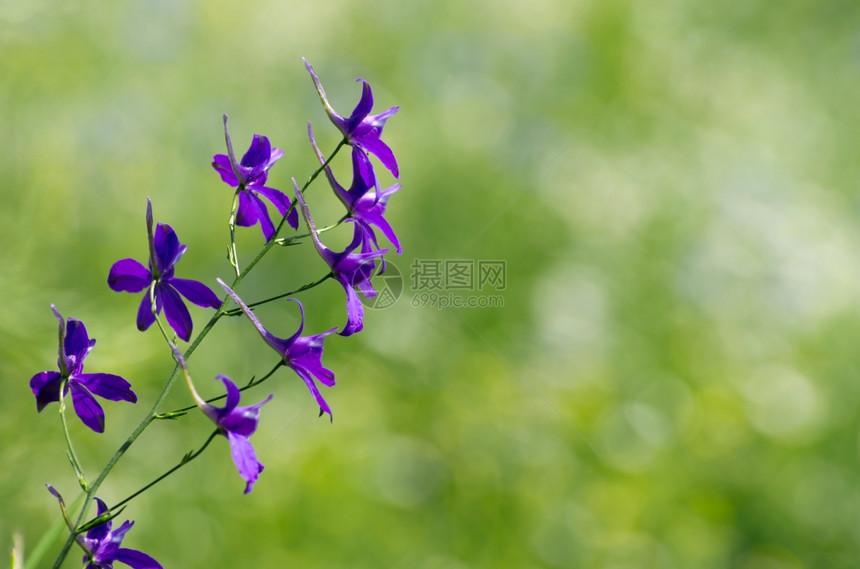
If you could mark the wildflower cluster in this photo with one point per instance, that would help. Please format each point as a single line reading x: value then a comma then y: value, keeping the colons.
x: 255, y: 202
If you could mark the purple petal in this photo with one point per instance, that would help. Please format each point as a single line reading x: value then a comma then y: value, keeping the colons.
x: 378, y: 121
x: 307, y: 354
x: 265, y: 221
x: 168, y: 249
x: 233, y: 395
x: 77, y: 344
x: 129, y: 275
x: 46, y: 387
x: 362, y: 109
x: 145, y: 317
x: 196, y: 292
x: 375, y: 145
x: 175, y: 310
x: 245, y: 459
x: 87, y: 408
x: 99, y: 532
x: 278, y: 198
x: 354, y: 311
x: 260, y: 155
x: 107, y: 385
x: 243, y: 420
x: 221, y: 163
x: 248, y: 213
x: 324, y: 408
x: 293, y: 218
x: 135, y: 559
x: 382, y: 223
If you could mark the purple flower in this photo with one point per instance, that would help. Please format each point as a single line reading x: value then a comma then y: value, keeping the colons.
x: 165, y: 250
x: 237, y: 424
x: 75, y: 344
x: 103, y: 545
x: 351, y: 269
x: 250, y: 176
x: 303, y: 354
x: 364, y: 201
x: 361, y: 128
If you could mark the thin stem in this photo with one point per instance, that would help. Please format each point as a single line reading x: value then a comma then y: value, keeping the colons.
x: 153, y: 413
x: 185, y: 460
x: 73, y: 457
x: 252, y: 383
x: 233, y: 255
x: 287, y: 241
x: 238, y: 311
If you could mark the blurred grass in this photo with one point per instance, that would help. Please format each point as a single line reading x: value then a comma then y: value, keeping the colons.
x: 672, y: 381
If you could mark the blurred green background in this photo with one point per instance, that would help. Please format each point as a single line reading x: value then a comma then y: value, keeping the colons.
x: 672, y: 380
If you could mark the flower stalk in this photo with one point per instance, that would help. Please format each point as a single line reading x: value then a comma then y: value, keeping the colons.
x: 164, y: 292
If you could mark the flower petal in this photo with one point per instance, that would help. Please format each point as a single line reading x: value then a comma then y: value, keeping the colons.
x: 129, y: 275
x: 107, y: 385
x: 145, y: 317
x: 233, y: 396
x: 248, y: 213
x: 382, y: 223
x: 175, y: 310
x: 278, y: 198
x: 354, y: 311
x: 46, y: 387
x: 243, y: 420
x: 221, y: 163
x: 87, y: 408
x: 374, y: 145
x: 259, y: 156
x: 77, y: 344
x: 135, y: 559
x: 324, y: 408
x: 265, y: 221
x: 362, y: 109
x: 168, y: 249
x: 196, y: 292
x: 245, y: 459
x: 100, y: 531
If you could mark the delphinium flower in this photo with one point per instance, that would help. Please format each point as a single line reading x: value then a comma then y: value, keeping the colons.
x: 237, y: 424
x: 103, y: 545
x: 364, y: 201
x: 361, y: 128
x: 303, y: 354
x: 165, y: 250
x: 250, y: 176
x: 75, y: 344
x: 350, y: 268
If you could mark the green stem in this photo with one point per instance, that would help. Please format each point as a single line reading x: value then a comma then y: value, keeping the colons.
x: 185, y: 460
x: 252, y: 383
x: 233, y: 256
x: 238, y: 311
x: 73, y: 457
x: 153, y: 413
x: 287, y: 241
